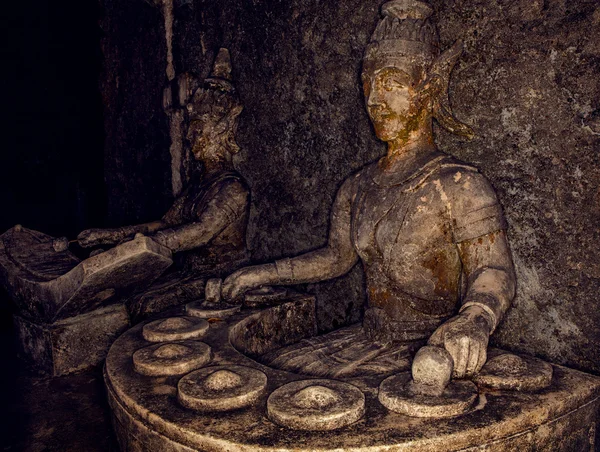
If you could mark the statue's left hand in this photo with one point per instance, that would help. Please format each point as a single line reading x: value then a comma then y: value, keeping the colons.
x: 465, y: 337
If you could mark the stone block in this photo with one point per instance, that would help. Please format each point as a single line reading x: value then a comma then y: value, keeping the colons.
x: 72, y: 344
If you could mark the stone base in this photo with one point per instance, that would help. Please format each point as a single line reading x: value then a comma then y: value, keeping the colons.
x: 73, y: 344
x: 148, y: 417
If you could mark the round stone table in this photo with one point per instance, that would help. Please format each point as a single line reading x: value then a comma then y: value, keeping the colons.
x: 148, y: 417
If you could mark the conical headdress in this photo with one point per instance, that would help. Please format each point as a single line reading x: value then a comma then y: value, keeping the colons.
x: 406, y: 36
x: 220, y: 77
x: 405, y: 31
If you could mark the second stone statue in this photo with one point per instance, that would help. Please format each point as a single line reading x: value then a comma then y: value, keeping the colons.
x: 206, y: 226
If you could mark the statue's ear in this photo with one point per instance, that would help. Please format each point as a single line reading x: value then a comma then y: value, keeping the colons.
x: 236, y: 110
x: 437, y: 82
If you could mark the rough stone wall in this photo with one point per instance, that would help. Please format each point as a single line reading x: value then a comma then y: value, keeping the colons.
x: 527, y: 84
x: 137, y: 160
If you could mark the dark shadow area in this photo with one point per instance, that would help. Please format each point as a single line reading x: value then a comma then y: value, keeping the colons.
x: 51, y: 162
x: 52, y: 180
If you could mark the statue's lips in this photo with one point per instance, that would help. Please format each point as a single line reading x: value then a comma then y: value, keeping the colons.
x: 381, y: 117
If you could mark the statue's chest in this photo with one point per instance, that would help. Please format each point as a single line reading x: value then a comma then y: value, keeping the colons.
x: 395, y: 223
x: 377, y: 218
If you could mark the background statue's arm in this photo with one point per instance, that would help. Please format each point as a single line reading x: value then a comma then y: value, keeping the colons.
x: 113, y: 236
x: 94, y: 237
x: 333, y: 260
x: 227, y: 205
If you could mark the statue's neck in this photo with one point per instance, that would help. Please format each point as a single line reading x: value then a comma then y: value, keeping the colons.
x: 213, y: 167
x: 412, y: 147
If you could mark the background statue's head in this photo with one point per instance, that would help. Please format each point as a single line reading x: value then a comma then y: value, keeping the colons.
x: 213, y: 114
x: 405, y: 77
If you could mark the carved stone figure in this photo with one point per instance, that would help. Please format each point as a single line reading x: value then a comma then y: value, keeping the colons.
x: 61, y: 299
x: 206, y: 226
x: 427, y: 228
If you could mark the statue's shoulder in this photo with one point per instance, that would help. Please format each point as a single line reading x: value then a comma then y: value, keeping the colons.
x: 449, y: 165
x: 456, y: 175
x: 355, y: 179
x: 470, y: 194
x: 228, y: 180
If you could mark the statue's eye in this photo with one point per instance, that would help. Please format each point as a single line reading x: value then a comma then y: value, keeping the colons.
x: 390, y: 84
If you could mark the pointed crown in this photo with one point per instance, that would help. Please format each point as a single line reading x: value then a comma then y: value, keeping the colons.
x: 404, y: 30
x: 220, y: 77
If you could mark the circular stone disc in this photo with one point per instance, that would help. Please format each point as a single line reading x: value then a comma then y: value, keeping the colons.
x: 175, y: 329
x: 173, y: 358
x: 316, y: 405
x: 203, y: 310
x: 221, y: 388
x: 396, y: 394
x: 515, y: 373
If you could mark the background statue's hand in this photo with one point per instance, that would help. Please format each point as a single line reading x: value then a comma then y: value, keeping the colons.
x: 243, y: 280
x: 465, y: 337
x: 93, y: 237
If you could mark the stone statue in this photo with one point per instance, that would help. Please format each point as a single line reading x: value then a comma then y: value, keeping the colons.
x: 427, y: 228
x: 206, y: 226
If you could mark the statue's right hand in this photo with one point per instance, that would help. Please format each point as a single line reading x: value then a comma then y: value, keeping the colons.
x: 241, y: 281
x: 93, y: 237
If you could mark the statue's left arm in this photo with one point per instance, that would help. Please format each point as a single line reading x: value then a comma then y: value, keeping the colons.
x: 228, y: 203
x: 479, y: 232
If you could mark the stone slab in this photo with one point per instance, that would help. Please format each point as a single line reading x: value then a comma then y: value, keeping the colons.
x: 148, y: 417
x: 48, y: 283
x: 73, y: 344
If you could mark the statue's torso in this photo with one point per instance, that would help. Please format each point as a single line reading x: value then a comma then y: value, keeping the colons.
x: 228, y: 248
x: 403, y: 231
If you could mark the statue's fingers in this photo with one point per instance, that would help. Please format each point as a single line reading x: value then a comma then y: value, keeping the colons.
x: 437, y: 338
x: 482, y: 357
x: 87, y: 242
x: 227, y: 288
x: 460, y: 356
x: 473, y: 359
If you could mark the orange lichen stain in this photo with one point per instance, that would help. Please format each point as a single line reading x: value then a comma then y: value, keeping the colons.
x: 443, y: 276
x: 379, y: 297
x: 214, y: 320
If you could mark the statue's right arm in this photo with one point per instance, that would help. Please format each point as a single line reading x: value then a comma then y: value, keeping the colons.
x: 113, y: 236
x: 331, y: 261
x: 94, y: 237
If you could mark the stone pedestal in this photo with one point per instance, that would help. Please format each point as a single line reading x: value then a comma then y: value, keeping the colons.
x: 148, y: 417
x: 72, y: 344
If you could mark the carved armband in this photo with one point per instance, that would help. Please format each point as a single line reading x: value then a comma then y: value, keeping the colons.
x: 485, y: 302
x: 284, y: 270
x: 229, y: 211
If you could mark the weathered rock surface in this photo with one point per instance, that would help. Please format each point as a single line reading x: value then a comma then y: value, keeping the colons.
x: 73, y: 344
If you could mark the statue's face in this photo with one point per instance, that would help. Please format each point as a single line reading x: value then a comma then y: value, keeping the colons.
x: 199, y: 136
x: 204, y: 131
x: 393, y: 104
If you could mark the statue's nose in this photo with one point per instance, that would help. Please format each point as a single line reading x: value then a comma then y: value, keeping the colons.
x: 373, y: 99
